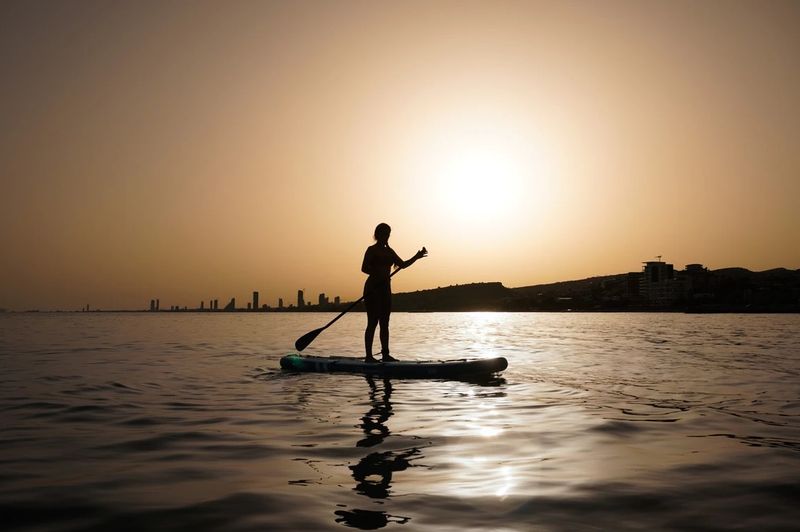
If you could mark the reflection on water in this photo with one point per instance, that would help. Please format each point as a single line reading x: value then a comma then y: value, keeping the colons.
x: 367, y: 519
x: 373, y: 423
x: 602, y: 421
x: 373, y: 473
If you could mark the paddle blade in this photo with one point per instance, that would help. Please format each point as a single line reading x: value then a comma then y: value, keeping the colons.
x: 307, y: 338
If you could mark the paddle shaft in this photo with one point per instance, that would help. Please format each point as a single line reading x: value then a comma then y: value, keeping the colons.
x: 306, y: 339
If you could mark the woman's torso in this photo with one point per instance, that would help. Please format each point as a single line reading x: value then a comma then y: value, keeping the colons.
x: 378, y: 261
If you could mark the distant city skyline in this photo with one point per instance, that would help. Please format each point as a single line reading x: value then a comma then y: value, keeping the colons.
x: 658, y: 281
x: 182, y: 150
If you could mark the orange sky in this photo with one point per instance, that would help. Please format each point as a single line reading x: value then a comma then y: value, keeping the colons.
x: 197, y: 150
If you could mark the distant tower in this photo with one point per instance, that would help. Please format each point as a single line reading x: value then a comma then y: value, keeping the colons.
x: 337, y: 300
x: 202, y: 305
x: 152, y: 305
x: 249, y: 306
x: 158, y: 304
x: 255, y: 300
x: 280, y: 302
x: 300, y: 302
x: 322, y: 299
x: 231, y: 305
x: 216, y: 304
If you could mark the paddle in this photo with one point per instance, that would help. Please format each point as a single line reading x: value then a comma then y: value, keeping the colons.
x: 309, y: 337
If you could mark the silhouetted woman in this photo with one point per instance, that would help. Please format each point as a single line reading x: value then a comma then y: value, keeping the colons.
x: 378, y: 261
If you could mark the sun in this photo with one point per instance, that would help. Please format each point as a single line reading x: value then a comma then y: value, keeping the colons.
x: 479, y: 182
x: 483, y: 175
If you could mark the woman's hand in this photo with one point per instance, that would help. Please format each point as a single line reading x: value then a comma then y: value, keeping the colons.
x: 421, y: 253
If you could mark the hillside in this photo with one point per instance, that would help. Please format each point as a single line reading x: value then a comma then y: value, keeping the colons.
x: 722, y: 290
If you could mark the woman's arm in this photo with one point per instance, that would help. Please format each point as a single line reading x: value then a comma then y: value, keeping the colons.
x: 405, y: 264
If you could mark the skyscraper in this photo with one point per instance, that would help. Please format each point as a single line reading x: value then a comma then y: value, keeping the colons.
x: 300, y: 302
x: 255, y: 300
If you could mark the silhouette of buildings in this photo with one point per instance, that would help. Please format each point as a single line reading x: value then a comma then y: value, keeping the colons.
x: 697, y: 282
x: 658, y: 284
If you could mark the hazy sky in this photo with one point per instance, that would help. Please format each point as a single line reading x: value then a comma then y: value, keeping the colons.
x: 196, y: 150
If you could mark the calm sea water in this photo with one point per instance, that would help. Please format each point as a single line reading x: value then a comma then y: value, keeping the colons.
x: 601, y: 422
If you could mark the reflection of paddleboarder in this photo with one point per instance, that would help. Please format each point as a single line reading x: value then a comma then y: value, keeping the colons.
x: 378, y: 261
x: 373, y: 473
x: 373, y: 423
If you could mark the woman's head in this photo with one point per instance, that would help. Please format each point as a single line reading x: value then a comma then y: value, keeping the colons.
x: 382, y: 232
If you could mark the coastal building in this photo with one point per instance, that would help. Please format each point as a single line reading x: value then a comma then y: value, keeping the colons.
x: 231, y: 305
x: 300, y: 302
x: 632, y: 286
x: 255, y: 300
x: 337, y: 300
x: 697, y: 282
x: 658, y: 284
x: 280, y: 302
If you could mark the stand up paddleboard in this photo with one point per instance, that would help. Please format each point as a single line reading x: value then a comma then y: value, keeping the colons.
x: 446, y: 369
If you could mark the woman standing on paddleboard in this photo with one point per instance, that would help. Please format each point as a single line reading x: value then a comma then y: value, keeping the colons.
x: 378, y: 261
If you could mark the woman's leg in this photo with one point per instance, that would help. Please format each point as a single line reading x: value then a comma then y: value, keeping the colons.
x: 369, y: 334
x: 384, y: 322
x: 385, y: 312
